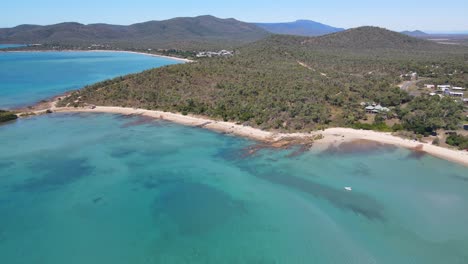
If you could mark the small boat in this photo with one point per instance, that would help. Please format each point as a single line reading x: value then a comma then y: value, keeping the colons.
x: 348, y: 189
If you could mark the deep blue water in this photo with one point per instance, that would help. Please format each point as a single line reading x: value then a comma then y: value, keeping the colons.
x: 99, y: 188
x: 28, y: 77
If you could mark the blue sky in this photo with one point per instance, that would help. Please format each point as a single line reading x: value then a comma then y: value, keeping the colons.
x: 427, y: 15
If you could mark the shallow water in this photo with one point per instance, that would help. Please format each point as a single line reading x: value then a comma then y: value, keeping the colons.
x: 5, y: 46
x: 98, y: 188
x: 28, y: 77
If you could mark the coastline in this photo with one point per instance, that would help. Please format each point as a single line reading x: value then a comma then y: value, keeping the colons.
x: 142, y: 53
x: 320, y: 139
x: 119, y: 51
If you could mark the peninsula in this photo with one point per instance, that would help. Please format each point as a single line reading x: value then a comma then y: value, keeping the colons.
x: 363, y: 78
x: 291, y: 84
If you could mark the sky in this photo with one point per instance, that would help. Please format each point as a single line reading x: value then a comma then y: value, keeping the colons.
x: 429, y: 15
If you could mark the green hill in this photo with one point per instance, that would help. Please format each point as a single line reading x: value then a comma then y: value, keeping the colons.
x: 369, y: 38
x: 289, y: 82
x: 183, y: 33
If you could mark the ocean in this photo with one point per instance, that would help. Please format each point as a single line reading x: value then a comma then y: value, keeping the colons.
x: 28, y: 77
x: 102, y: 188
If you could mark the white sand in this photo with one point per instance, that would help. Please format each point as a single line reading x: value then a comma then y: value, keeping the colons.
x: 336, y: 135
x: 142, y: 53
x: 331, y: 136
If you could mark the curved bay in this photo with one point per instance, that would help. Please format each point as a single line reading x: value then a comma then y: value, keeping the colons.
x: 98, y: 188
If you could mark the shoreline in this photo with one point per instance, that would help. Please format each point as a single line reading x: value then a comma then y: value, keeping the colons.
x: 321, y: 139
x: 119, y: 51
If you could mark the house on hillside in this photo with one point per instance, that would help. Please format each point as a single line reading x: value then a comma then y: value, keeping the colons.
x: 456, y: 94
x: 429, y: 86
x: 369, y: 109
x: 412, y: 76
x: 445, y: 90
x: 444, y: 86
x: 209, y: 54
x: 376, y: 109
x: 226, y: 53
x: 458, y: 88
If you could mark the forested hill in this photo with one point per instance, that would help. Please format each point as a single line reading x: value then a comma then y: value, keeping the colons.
x: 183, y: 33
x: 297, y: 83
x: 370, y: 38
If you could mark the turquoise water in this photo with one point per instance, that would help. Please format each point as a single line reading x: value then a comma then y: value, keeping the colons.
x: 98, y: 188
x: 28, y: 77
x: 4, y: 46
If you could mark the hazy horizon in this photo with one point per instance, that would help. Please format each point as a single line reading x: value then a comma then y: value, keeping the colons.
x: 431, y: 16
x: 454, y: 32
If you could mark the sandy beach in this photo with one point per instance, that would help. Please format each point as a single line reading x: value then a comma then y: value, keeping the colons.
x: 141, y: 53
x: 328, y: 137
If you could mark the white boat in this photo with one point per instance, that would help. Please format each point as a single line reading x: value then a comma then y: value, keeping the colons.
x: 348, y: 189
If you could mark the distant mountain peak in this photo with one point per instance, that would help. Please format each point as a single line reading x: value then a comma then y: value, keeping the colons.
x: 301, y: 27
x: 307, y: 21
x: 415, y: 33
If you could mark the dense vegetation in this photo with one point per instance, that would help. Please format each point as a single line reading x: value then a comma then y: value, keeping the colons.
x: 458, y: 141
x: 7, y: 116
x: 204, y: 32
x: 426, y: 114
x: 298, y: 83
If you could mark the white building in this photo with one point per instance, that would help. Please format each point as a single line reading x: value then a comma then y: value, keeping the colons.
x: 430, y: 86
x: 376, y: 109
x: 458, y: 88
x: 447, y: 86
x: 455, y: 94
x: 222, y: 53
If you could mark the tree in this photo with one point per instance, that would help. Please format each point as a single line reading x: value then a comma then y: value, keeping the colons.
x: 428, y: 113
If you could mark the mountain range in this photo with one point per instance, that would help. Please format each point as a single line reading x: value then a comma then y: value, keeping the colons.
x: 185, y: 32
